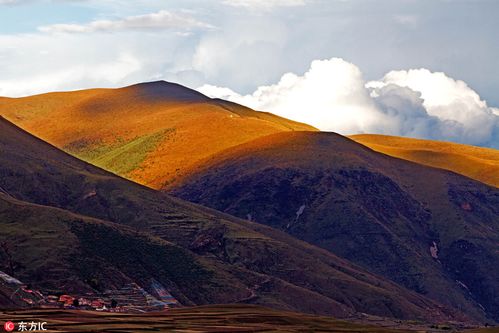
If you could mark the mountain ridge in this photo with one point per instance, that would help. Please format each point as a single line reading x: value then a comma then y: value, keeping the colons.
x: 479, y: 163
x: 150, y: 133
x: 408, y: 221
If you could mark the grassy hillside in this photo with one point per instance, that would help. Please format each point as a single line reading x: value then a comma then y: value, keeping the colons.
x: 478, y: 163
x: 151, y: 133
x: 62, y: 251
x: 107, y: 226
x: 430, y: 230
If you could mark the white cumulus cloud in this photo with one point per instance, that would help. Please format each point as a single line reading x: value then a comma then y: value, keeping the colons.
x: 467, y: 117
x: 333, y: 96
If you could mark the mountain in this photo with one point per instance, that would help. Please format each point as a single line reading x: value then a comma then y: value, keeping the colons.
x: 478, y: 163
x: 63, y: 252
x: 75, y: 227
x: 433, y: 231
x: 151, y: 133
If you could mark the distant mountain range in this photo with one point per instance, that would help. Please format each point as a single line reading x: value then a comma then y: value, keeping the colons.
x: 154, y: 133
x: 318, y: 222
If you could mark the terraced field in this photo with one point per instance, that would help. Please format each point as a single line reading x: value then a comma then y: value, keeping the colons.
x: 218, y: 318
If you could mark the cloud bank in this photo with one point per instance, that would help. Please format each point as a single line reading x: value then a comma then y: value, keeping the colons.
x: 46, y: 62
x: 263, y: 4
x: 333, y: 96
x: 154, y: 21
x: 10, y: 2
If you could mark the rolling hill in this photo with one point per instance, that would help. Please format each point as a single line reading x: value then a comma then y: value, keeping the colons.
x: 433, y: 231
x: 78, y: 228
x: 478, y: 163
x: 151, y: 133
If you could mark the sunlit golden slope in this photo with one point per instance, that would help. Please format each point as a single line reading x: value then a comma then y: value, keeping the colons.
x: 151, y: 133
x: 479, y: 163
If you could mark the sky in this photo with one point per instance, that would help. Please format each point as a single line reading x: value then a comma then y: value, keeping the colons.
x: 419, y: 68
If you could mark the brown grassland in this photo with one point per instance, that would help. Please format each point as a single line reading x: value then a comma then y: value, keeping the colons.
x: 478, y: 163
x: 218, y: 318
x: 150, y: 133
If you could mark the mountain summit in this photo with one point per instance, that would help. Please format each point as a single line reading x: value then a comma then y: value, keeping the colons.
x: 151, y: 133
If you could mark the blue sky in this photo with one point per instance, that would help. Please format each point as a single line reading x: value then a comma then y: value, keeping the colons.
x: 242, y: 45
x: 26, y: 18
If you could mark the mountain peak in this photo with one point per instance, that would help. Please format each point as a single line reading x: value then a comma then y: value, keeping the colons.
x: 163, y: 90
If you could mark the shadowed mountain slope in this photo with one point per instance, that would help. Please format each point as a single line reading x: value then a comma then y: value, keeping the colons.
x: 478, y: 163
x: 77, y: 223
x: 60, y: 251
x: 431, y: 230
x: 150, y: 133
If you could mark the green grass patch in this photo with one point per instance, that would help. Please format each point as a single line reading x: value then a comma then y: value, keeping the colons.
x: 123, y: 156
